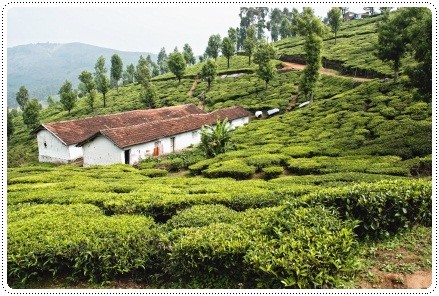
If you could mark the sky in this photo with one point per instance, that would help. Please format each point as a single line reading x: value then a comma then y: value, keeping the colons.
x: 140, y: 29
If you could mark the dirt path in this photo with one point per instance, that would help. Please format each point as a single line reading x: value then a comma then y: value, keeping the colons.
x: 293, y: 66
x: 191, y: 91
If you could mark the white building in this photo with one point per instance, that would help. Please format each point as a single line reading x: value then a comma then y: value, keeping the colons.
x: 130, y: 136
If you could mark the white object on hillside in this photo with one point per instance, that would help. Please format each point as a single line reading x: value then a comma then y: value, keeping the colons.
x: 304, y: 104
x: 273, y: 111
x: 258, y: 114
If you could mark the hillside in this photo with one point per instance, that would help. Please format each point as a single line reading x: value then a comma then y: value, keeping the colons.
x: 43, y: 67
x: 333, y: 194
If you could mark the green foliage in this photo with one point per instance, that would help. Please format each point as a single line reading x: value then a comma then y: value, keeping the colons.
x: 31, y: 113
x: 208, y: 72
x: 382, y: 208
x: 149, y: 96
x: 100, y: 77
x: 188, y: 54
x: 304, y: 248
x: 272, y: 172
x: 22, y: 97
x: 10, y: 124
x: 250, y: 42
x: 264, y: 160
x: 212, y: 255
x: 236, y: 169
x: 153, y: 173
x: 216, y: 139
x: 201, y: 215
x: 67, y: 96
x: 228, y: 49
x: 335, y: 19
x: 177, y: 65
x: 116, y: 69
x: 80, y: 241
x: 213, y: 46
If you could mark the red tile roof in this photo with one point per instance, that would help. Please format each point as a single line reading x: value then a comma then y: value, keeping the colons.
x: 142, y: 133
x: 75, y: 131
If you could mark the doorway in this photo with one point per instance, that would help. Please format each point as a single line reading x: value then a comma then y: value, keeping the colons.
x: 127, y: 156
x: 173, y: 144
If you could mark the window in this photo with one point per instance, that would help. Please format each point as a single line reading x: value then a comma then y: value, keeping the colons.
x: 45, y: 144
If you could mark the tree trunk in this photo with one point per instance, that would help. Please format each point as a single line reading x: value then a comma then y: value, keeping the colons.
x: 228, y: 63
x: 266, y: 84
x: 104, y: 99
x: 395, y: 74
x: 335, y: 34
x: 249, y: 62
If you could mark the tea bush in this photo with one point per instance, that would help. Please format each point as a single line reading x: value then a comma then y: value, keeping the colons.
x: 154, y: 173
x: 208, y: 257
x: 272, y: 172
x: 201, y: 215
x: 303, y: 248
x: 301, y: 151
x: 79, y: 241
x: 236, y: 169
x: 263, y: 160
x: 382, y: 208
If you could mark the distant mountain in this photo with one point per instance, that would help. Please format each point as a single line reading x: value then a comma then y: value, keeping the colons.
x: 43, y: 67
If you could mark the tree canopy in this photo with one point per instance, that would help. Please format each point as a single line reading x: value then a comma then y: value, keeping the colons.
x: 22, y: 97
x: 227, y: 49
x: 116, y: 70
x: 177, y: 65
x: 101, y: 79
x: 67, y: 96
x: 335, y: 20
x: 188, y: 55
x: 209, y: 71
x: 213, y: 46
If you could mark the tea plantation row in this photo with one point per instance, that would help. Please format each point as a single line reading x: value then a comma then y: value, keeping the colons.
x: 114, y: 221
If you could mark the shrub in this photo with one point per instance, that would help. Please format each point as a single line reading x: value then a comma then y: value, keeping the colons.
x: 272, y: 172
x: 382, y: 208
x: 78, y: 240
x: 154, y: 172
x: 303, y: 248
x: 198, y: 167
x: 201, y: 215
x: 208, y: 257
x: 300, y: 151
x: 236, y: 169
x: 263, y: 160
x: 304, y: 166
x: 388, y: 112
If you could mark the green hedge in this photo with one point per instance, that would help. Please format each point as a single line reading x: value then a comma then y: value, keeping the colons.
x: 303, y: 248
x: 79, y: 241
x: 382, y: 208
x: 236, y: 169
x: 201, y: 215
x: 154, y: 173
x: 272, y: 172
x: 208, y: 257
x: 264, y: 160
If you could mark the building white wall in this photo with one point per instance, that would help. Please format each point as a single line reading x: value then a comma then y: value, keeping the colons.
x: 51, y: 149
x: 102, y: 151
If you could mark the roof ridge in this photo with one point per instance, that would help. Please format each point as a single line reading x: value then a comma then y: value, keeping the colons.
x: 119, y: 113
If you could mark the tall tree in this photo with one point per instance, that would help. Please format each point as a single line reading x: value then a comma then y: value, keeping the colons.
x: 250, y: 42
x: 128, y: 74
x: 143, y: 74
x: 149, y: 96
x: 227, y: 49
x: 10, y: 125
x: 162, y: 61
x: 101, y: 79
x: 116, y: 70
x: 208, y: 72
x: 274, y: 32
x: 335, y: 19
x: 31, y: 113
x: 263, y: 55
x: 89, y: 86
x: 285, y: 28
x: 312, y: 28
x: 22, y: 97
x: 420, y: 36
x: 177, y: 65
x: 67, y: 96
x: 233, y: 36
x: 213, y: 46
x: 188, y: 54
x: 393, y: 39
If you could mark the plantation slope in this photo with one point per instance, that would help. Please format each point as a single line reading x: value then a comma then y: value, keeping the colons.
x: 377, y: 127
x: 353, y: 54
